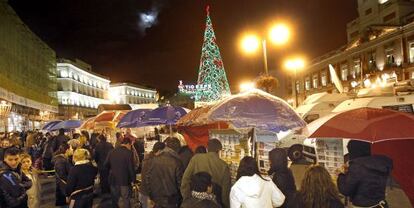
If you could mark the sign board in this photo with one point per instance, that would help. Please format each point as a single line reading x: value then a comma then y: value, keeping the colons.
x: 330, y: 154
x: 403, y: 108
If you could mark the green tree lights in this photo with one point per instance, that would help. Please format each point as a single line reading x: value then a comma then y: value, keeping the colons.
x: 211, y: 71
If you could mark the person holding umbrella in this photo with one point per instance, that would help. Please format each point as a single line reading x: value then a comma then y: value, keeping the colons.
x: 365, y: 179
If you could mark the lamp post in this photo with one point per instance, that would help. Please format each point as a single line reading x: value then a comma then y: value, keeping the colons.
x: 295, y: 64
x: 278, y: 34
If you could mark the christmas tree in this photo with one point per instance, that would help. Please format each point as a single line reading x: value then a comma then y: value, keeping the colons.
x: 212, y: 78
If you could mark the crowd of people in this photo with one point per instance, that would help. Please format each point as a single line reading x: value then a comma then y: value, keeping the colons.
x: 173, y: 175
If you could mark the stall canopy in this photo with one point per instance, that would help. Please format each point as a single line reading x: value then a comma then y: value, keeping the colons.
x: 133, y: 119
x: 68, y: 124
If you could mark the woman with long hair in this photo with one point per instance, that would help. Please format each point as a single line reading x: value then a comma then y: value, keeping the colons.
x: 252, y: 189
x: 317, y: 191
x: 34, y: 191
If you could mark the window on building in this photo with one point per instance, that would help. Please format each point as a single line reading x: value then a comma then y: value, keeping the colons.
x: 371, y: 60
x: 297, y: 86
x: 368, y: 11
x: 307, y: 83
x: 324, y: 78
x: 315, y: 81
x: 389, y: 54
x: 411, y: 49
x: 389, y: 17
x: 344, y: 72
x: 357, y: 67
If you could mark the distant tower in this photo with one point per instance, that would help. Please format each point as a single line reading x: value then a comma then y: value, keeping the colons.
x: 212, y: 80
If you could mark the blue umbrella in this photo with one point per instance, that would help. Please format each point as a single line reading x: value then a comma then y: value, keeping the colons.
x: 167, y: 115
x: 257, y: 109
x: 133, y: 119
x: 69, y: 124
x: 50, y: 124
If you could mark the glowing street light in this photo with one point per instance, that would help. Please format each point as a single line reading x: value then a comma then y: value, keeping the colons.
x: 278, y: 34
x: 246, y: 86
x: 250, y: 43
x: 295, y: 64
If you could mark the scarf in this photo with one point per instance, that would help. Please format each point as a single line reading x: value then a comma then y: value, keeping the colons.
x: 203, y: 195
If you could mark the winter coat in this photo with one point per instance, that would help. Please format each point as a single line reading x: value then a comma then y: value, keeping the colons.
x: 62, y: 168
x: 34, y: 192
x: 146, y: 163
x: 102, y: 151
x: 281, y: 175
x: 120, y: 166
x: 296, y: 201
x: 81, y: 176
x: 58, y: 140
x: 185, y: 154
x: 366, y: 180
x: 216, y: 167
x: 253, y: 191
x: 13, y: 187
x: 164, y: 178
x: 48, y: 148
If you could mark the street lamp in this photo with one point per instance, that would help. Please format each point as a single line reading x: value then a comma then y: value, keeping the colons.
x: 278, y: 34
x: 295, y: 64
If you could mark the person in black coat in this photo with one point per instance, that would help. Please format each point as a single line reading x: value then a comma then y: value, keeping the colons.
x: 166, y: 167
x: 102, y: 150
x: 79, y: 189
x: 120, y: 163
x: 366, y: 177
x: 185, y: 154
x: 281, y: 174
x: 13, y: 183
x: 60, y: 139
x: 317, y: 191
x: 62, y: 168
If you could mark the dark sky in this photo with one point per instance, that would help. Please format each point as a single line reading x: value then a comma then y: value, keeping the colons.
x: 107, y: 35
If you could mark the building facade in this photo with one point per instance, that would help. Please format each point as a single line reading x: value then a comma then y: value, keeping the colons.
x: 80, y: 91
x: 27, y: 75
x: 383, y: 52
x: 128, y: 93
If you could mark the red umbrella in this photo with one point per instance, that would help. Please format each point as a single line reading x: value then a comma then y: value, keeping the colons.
x: 366, y: 124
x: 390, y: 132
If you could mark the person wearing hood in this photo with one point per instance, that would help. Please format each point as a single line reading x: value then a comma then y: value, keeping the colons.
x: 281, y: 175
x: 81, y: 178
x: 62, y: 168
x: 252, y: 189
x: 365, y: 179
x: 164, y: 176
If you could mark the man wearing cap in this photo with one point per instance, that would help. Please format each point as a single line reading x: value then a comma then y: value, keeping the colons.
x: 216, y: 167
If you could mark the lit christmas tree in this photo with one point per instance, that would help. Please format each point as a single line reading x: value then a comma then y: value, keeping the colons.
x: 212, y: 80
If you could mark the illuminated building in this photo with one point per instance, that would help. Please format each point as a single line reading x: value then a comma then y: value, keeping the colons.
x: 382, y: 51
x: 27, y: 75
x: 80, y: 90
x: 128, y: 93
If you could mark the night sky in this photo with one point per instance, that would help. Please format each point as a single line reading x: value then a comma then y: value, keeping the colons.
x: 110, y: 34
